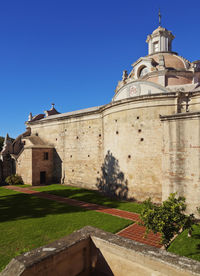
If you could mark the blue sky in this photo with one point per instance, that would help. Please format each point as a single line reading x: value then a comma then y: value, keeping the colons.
x: 73, y: 53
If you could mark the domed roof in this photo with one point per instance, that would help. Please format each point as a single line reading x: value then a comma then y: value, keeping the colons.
x: 159, y: 29
x: 172, y: 61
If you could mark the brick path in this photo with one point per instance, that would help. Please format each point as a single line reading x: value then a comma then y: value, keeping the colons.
x: 134, y: 232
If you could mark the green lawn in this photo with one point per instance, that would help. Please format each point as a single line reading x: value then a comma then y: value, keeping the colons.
x: 28, y: 222
x: 90, y: 196
x: 188, y: 247
x: 182, y: 245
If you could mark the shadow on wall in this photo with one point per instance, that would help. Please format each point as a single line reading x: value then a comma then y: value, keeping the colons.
x: 112, y: 181
x: 57, y: 168
x: 1, y: 171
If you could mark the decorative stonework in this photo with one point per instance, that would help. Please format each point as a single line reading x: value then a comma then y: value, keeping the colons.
x: 160, y: 40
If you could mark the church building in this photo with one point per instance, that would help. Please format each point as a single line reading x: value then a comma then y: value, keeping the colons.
x: 144, y: 143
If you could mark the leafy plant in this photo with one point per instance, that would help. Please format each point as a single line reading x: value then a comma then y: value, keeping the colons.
x: 168, y: 219
x: 14, y: 179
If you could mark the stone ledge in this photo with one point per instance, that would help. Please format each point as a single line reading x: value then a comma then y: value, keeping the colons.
x: 20, y: 264
x: 178, y: 116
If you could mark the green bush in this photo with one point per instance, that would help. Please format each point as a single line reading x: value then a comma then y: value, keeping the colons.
x: 167, y: 219
x: 14, y: 179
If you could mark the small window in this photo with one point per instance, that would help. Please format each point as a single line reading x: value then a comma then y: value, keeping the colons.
x: 155, y: 46
x: 46, y: 156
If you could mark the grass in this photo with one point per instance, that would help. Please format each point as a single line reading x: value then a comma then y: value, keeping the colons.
x: 188, y: 247
x: 182, y: 245
x: 90, y: 196
x: 28, y: 222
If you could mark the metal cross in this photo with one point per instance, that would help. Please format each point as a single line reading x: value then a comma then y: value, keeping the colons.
x: 159, y: 15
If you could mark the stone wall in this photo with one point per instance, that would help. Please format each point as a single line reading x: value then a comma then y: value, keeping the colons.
x: 1, y: 171
x: 91, y: 251
x: 41, y: 164
x: 78, y: 148
x: 119, y: 148
x: 24, y: 165
x: 133, y: 136
x: 31, y: 162
x: 181, y: 157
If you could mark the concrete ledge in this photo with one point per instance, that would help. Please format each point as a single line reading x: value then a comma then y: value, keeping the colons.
x: 91, y: 251
x: 178, y: 116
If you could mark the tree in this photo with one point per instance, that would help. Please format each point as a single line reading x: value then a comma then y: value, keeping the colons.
x: 167, y: 219
x: 1, y: 142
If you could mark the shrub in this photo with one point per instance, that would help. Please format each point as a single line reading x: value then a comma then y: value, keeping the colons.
x: 14, y: 179
x: 168, y: 219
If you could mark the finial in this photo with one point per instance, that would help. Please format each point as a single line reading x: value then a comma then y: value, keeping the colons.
x: 30, y: 117
x: 52, y: 105
x: 6, y: 138
x: 159, y: 15
x: 125, y: 75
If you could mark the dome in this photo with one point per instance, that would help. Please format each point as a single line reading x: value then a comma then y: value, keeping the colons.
x: 172, y: 61
x: 161, y: 66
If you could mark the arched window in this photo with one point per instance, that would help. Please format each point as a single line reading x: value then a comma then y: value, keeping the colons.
x: 143, y: 71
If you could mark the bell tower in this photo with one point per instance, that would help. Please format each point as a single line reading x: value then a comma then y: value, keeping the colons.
x: 160, y: 40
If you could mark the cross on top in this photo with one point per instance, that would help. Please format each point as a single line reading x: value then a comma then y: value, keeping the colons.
x: 159, y: 15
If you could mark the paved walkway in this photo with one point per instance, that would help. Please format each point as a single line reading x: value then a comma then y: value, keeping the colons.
x: 134, y: 232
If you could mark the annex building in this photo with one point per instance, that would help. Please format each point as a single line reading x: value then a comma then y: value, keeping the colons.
x: 144, y: 143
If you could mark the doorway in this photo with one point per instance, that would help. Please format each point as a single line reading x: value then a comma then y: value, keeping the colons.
x: 42, y: 177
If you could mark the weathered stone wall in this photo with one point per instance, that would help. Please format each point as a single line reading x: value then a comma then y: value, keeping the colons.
x: 181, y: 157
x: 91, y: 251
x: 24, y: 165
x: 1, y: 171
x: 133, y: 146
x: 194, y: 102
x: 31, y: 162
x: 118, y: 148
x: 40, y: 164
x: 78, y: 145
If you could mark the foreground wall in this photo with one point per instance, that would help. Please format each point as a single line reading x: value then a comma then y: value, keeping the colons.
x: 91, y: 251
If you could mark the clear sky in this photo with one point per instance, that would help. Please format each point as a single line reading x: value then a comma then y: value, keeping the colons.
x: 73, y: 53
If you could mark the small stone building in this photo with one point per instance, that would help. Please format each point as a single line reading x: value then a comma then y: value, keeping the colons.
x: 35, y: 161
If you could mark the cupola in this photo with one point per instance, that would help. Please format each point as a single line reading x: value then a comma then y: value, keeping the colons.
x: 160, y: 41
